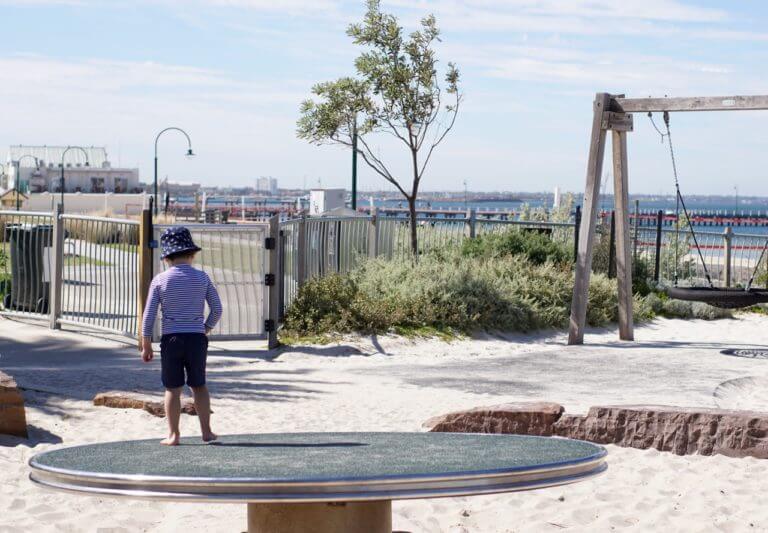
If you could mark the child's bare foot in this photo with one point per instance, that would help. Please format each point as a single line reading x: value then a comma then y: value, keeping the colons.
x: 210, y: 436
x: 172, y: 440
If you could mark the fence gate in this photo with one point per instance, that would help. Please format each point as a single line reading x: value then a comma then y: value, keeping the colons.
x: 234, y: 258
x: 99, y: 273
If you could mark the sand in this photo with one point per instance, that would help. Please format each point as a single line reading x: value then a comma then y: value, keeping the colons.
x: 390, y: 383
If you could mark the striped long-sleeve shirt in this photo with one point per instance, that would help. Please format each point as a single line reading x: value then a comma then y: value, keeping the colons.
x: 181, y: 293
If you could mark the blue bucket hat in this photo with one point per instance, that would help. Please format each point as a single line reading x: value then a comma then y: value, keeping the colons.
x: 175, y: 240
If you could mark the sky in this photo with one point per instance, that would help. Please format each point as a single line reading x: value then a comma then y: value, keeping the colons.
x: 233, y: 73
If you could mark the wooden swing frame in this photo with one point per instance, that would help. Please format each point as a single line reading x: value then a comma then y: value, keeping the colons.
x: 614, y: 113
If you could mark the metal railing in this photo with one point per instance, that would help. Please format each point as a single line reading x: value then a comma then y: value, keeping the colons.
x: 731, y: 258
x: 100, y: 261
x: 234, y: 258
x: 25, y: 263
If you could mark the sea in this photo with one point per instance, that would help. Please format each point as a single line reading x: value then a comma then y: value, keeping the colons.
x: 717, y: 204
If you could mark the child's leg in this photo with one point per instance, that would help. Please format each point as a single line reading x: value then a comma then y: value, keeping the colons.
x: 172, y: 414
x: 203, y: 408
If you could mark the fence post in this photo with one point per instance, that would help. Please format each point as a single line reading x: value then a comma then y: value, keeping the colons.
x: 471, y: 223
x: 145, y: 264
x: 576, y: 229
x: 301, y: 252
x: 612, y: 248
x: 373, y: 234
x: 657, y: 256
x: 57, y: 268
x: 273, y: 249
x: 728, y: 238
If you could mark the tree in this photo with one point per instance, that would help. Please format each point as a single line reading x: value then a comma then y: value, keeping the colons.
x: 396, y: 91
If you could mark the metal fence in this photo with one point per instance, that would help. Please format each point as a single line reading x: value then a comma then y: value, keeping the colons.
x: 234, y: 258
x: 104, y: 263
x: 100, y: 265
x: 731, y: 258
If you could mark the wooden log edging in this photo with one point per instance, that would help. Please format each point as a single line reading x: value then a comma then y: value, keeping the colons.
x: 679, y: 430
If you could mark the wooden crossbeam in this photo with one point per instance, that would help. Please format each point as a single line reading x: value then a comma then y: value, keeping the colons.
x: 696, y: 103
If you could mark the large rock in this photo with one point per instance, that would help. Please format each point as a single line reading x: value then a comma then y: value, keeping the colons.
x: 679, y: 430
x: 13, y: 419
x: 525, y: 418
x: 132, y: 400
x: 672, y: 429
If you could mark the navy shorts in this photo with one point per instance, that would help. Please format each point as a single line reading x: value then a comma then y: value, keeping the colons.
x: 183, y: 353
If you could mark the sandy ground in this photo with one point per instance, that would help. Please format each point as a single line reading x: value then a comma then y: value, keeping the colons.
x: 395, y: 384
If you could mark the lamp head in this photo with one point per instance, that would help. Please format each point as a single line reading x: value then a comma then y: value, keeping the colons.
x: 87, y: 164
x: 190, y: 154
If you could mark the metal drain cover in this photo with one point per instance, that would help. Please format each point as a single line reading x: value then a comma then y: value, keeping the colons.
x: 747, y: 352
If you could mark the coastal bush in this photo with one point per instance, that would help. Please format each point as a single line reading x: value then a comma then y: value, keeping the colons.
x: 535, y: 246
x: 446, y: 291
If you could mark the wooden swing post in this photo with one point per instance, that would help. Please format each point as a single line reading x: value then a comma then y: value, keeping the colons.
x: 613, y: 112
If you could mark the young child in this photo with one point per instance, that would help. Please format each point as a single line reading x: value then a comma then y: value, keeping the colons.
x: 181, y: 292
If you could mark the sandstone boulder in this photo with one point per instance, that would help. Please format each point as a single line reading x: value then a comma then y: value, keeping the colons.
x: 524, y: 418
x: 132, y: 400
x: 679, y: 430
x: 13, y: 419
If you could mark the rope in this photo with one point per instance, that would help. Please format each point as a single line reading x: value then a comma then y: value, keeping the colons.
x: 757, y: 267
x: 679, y: 202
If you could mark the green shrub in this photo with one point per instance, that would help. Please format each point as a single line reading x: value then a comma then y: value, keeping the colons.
x: 535, y: 246
x: 446, y: 291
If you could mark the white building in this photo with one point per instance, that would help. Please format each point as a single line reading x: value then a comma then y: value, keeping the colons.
x: 323, y: 200
x: 266, y: 185
x: 39, y: 170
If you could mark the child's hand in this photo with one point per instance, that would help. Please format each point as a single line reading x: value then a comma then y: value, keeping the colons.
x: 207, y: 330
x: 146, y: 351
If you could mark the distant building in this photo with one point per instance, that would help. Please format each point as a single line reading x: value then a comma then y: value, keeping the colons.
x: 39, y: 170
x: 178, y: 188
x: 266, y: 185
x: 323, y: 200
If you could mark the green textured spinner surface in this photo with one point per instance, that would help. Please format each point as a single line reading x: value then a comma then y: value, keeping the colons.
x: 321, y: 456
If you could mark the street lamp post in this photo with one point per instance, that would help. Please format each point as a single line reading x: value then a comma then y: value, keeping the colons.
x: 188, y: 154
x: 67, y: 149
x: 17, y: 179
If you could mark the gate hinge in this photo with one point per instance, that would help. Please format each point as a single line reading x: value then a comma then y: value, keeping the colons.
x: 269, y: 325
x: 269, y: 279
x: 269, y: 243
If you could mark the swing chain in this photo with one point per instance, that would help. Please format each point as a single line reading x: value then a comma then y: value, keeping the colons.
x: 679, y: 202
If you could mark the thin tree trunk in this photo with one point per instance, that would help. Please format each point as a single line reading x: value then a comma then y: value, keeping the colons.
x: 412, y: 204
x: 414, y: 241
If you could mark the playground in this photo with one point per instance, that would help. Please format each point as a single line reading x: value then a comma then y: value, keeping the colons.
x: 395, y: 384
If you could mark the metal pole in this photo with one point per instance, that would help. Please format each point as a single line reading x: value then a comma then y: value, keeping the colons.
x: 635, y: 232
x: 18, y: 177
x: 155, y: 185
x: 728, y: 237
x: 659, y: 221
x: 61, y: 184
x: 354, y: 165
x: 57, y: 256
x: 576, y: 227
x: 612, y: 248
